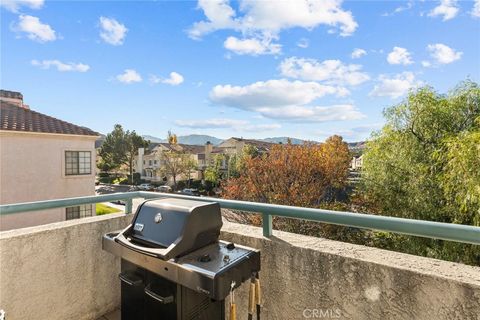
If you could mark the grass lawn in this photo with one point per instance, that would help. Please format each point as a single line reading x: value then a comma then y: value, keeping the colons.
x: 104, y: 209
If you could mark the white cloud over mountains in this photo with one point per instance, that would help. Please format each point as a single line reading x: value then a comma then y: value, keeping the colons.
x: 61, y: 66
x: 112, y: 31
x: 329, y: 71
x: 399, y: 56
x: 35, y: 29
x: 260, y: 22
x: 222, y: 123
x: 285, y: 100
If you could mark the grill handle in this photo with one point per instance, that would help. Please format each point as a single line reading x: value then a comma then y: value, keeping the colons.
x: 161, y: 253
x: 159, y: 298
x: 131, y: 282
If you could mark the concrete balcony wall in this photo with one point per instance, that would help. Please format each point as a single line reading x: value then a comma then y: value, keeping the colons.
x: 311, y: 278
x: 59, y: 271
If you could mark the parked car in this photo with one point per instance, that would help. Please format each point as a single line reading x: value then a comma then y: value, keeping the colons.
x: 190, y: 192
x: 165, y: 189
x: 145, y: 187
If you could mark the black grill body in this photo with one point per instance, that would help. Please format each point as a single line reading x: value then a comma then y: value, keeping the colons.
x: 173, y: 265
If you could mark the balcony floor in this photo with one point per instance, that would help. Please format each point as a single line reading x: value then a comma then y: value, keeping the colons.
x: 114, y: 315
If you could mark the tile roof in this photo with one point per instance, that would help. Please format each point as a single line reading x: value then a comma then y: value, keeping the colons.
x: 14, y: 118
x: 11, y: 94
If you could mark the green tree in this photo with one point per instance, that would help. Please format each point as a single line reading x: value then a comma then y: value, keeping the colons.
x: 214, y: 172
x: 424, y: 164
x: 120, y: 148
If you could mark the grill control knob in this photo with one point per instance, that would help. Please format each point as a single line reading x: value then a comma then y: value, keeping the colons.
x: 205, y: 258
x: 230, y: 246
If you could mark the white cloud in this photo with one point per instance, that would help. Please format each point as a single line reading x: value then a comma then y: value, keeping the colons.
x: 113, y: 32
x: 271, y: 18
x: 399, y: 9
x: 129, y: 76
x: 265, y: 19
x: 329, y: 71
x: 304, y: 43
x: 271, y: 93
x: 222, y: 123
x: 252, y: 46
x: 396, y: 86
x: 447, y: 8
x: 443, y: 54
x: 61, y: 66
x: 476, y: 9
x: 15, y: 5
x: 175, y: 79
x: 358, y: 53
x: 285, y: 100
x: 313, y: 113
x: 399, y: 56
x: 426, y: 64
x: 35, y: 29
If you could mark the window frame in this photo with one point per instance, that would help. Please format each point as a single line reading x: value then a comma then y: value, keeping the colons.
x: 73, y: 164
x: 78, y: 212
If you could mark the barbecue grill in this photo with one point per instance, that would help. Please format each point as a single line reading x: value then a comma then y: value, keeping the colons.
x: 172, y: 264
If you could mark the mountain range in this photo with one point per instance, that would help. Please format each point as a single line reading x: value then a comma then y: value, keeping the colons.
x: 199, y: 139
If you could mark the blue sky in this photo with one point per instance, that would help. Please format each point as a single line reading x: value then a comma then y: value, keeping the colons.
x: 306, y: 69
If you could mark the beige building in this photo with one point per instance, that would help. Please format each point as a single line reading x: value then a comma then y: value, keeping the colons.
x: 357, y: 163
x: 150, y: 162
x: 43, y: 158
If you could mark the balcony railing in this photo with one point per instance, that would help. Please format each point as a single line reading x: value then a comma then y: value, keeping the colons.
x: 422, y: 228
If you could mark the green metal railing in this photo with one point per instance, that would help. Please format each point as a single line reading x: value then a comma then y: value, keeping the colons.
x: 422, y: 228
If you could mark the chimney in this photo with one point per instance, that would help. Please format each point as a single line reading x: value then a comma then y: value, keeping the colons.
x: 141, y: 152
x: 208, y: 151
x: 13, y: 97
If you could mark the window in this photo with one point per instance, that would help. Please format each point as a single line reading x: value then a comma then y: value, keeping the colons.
x: 154, y: 161
x: 78, y: 162
x: 78, y: 212
x: 149, y: 162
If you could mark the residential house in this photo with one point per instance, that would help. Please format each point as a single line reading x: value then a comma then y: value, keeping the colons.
x: 150, y: 161
x: 43, y: 158
x: 356, y: 163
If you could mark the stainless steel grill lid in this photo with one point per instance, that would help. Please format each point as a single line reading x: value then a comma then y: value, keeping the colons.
x: 169, y: 228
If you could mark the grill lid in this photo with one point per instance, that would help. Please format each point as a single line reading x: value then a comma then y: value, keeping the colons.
x: 169, y: 228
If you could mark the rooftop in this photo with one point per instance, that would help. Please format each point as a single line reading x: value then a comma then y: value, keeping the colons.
x: 15, y: 118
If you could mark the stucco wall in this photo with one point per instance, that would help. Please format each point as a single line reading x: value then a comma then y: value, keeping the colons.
x: 32, y: 168
x: 311, y: 278
x: 59, y: 271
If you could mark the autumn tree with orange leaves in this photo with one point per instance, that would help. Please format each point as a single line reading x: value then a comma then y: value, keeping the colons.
x: 297, y: 175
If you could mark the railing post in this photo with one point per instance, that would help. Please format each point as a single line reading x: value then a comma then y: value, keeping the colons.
x: 267, y: 225
x: 128, y: 206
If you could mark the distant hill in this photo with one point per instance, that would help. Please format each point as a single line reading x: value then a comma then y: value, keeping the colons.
x: 283, y: 140
x: 195, y: 139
